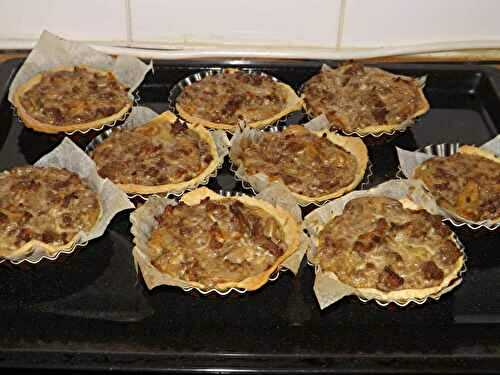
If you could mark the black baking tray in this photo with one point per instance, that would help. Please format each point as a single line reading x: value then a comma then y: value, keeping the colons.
x: 88, y: 310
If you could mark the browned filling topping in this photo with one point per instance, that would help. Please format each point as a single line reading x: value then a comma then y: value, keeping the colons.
x: 75, y: 97
x: 307, y: 164
x: 227, y: 98
x: 157, y: 154
x: 354, y: 97
x: 376, y: 243
x: 467, y: 185
x: 45, y: 204
x: 216, y: 241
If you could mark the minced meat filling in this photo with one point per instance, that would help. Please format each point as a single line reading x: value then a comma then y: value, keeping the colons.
x: 230, y: 97
x: 216, y: 241
x: 354, y: 97
x: 75, y: 97
x: 45, y: 204
x: 376, y: 243
x: 307, y: 164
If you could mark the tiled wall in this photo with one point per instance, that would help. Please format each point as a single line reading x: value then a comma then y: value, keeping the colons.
x: 341, y: 24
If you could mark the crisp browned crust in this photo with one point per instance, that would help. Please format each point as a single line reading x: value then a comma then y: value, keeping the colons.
x: 294, y: 103
x: 288, y: 224
x: 212, y: 166
x: 37, y: 125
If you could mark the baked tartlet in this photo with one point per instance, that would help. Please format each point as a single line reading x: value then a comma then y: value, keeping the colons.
x: 387, y: 252
x: 364, y: 100
x: 314, y: 165
x: 465, y: 184
x: 46, y: 207
x: 225, y: 99
x: 72, y: 98
x: 209, y: 241
x: 163, y: 155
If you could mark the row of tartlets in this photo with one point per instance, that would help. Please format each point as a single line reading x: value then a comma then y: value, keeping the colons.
x: 375, y: 244
x: 354, y: 98
x: 382, y: 247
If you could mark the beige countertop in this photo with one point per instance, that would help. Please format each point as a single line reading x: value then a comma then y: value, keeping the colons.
x: 411, y: 58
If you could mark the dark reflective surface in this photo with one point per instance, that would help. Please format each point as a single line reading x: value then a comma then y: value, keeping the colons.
x: 89, y: 310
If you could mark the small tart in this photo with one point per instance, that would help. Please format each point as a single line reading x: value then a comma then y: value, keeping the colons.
x: 164, y: 155
x: 44, y: 206
x: 363, y: 99
x: 388, y: 252
x: 466, y: 184
x: 223, y: 100
x: 71, y: 98
x: 314, y: 165
x: 211, y: 241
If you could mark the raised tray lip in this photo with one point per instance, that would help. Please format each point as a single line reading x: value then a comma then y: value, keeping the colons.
x: 94, y: 358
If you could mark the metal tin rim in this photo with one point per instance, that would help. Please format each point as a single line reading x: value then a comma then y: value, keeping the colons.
x: 447, y: 149
x: 176, y: 90
x: 51, y: 257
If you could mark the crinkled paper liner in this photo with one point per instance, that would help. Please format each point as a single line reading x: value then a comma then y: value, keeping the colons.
x: 260, y: 181
x: 409, y: 161
x: 144, y: 222
x: 52, y: 52
x: 329, y: 290
x: 404, y: 125
x: 112, y: 200
x: 176, y: 90
x: 142, y: 115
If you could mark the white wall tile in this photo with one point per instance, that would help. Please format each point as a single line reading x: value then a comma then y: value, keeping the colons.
x: 282, y: 22
x: 385, y: 23
x: 85, y: 20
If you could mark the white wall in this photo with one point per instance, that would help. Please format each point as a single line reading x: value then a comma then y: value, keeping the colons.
x: 343, y: 24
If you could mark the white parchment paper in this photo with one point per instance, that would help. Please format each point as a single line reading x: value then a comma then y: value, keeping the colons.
x: 52, y: 52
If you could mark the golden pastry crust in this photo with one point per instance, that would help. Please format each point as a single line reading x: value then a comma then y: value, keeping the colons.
x: 30, y: 121
x: 364, y: 100
x: 388, y: 252
x: 44, y: 207
x: 291, y: 103
x: 351, y: 152
x: 466, y: 184
x: 158, y: 129
x: 288, y: 228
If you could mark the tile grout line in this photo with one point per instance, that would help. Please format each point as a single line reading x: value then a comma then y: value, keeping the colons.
x: 340, y: 28
x: 128, y: 12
